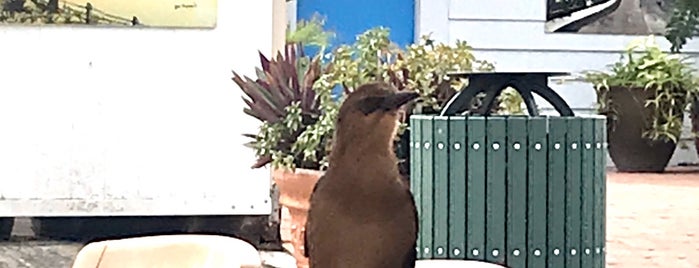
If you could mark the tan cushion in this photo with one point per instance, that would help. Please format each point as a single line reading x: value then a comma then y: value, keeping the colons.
x: 187, y: 250
x: 455, y: 264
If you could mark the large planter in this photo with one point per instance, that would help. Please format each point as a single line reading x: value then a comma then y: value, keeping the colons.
x: 295, y: 189
x: 629, y: 150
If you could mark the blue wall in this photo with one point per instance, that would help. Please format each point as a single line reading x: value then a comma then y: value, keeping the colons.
x: 349, y: 18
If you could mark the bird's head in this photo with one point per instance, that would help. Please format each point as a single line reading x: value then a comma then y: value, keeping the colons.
x: 372, y: 111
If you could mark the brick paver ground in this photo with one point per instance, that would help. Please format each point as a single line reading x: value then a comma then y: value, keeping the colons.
x: 653, y: 219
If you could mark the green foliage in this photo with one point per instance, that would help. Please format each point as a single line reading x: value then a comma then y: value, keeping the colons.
x: 683, y: 23
x: 510, y: 102
x: 299, y: 119
x: 644, y: 66
x: 424, y: 66
x: 421, y: 67
x: 296, y: 116
x: 291, y: 111
x: 366, y: 60
x: 310, y: 33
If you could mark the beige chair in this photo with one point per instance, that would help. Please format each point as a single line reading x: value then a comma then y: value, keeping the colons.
x: 455, y: 264
x: 172, y: 251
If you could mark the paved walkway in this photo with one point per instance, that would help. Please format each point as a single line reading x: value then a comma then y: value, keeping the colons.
x: 653, y: 219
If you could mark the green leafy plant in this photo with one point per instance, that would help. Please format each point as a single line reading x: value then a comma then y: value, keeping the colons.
x: 510, y: 102
x: 424, y: 66
x: 683, y: 24
x: 310, y: 33
x: 644, y: 66
x: 420, y: 67
x: 292, y: 113
x: 297, y: 116
x: 292, y: 94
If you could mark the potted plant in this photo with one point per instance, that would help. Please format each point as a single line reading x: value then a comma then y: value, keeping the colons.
x: 644, y: 96
x: 295, y: 130
x: 682, y: 26
x: 296, y: 125
x: 298, y: 114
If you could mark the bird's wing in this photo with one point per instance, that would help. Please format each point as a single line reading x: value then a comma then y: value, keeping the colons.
x: 411, y: 255
x: 305, y: 234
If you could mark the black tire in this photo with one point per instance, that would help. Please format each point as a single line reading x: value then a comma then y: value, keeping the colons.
x: 6, y: 225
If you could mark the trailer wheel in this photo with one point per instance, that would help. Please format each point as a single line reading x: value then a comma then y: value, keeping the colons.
x: 6, y: 225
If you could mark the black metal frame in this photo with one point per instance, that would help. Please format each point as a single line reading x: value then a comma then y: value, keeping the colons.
x: 492, y: 85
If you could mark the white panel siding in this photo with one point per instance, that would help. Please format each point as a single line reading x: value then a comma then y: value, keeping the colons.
x: 577, y: 94
x: 563, y: 61
x: 498, y: 10
x: 431, y: 18
x: 111, y: 121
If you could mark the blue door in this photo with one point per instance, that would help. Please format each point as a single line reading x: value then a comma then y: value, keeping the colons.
x: 350, y: 18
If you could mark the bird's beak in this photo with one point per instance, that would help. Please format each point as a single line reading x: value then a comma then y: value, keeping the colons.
x: 396, y: 100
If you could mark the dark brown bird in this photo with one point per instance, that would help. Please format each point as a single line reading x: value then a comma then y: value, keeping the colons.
x: 362, y: 214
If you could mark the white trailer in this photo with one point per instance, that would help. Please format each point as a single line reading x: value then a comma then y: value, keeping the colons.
x: 131, y: 122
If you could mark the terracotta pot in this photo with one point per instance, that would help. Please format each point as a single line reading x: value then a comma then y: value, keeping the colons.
x: 294, y: 193
x: 629, y: 150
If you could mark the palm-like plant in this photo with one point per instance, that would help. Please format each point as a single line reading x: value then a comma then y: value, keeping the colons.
x: 282, y: 97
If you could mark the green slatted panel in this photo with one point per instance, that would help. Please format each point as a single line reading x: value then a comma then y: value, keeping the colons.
x: 457, y: 187
x: 475, y: 188
x: 604, y: 200
x: 588, y: 177
x: 600, y: 189
x: 427, y: 218
x: 556, y: 194
x: 536, y: 188
x: 597, y: 213
x: 441, y: 187
x: 544, y: 201
x: 573, y: 183
x: 496, y: 198
x: 416, y: 170
x: 516, y: 192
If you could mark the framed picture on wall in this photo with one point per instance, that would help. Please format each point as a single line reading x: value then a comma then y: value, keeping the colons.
x: 124, y: 13
x: 627, y: 17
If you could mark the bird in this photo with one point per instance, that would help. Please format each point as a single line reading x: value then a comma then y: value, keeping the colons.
x: 362, y: 213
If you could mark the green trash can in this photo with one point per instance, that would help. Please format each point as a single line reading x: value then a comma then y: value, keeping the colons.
x: 522, y: 191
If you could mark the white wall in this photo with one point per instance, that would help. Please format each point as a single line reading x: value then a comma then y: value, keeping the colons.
x: 511, y: 34
x: 107, y: 121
